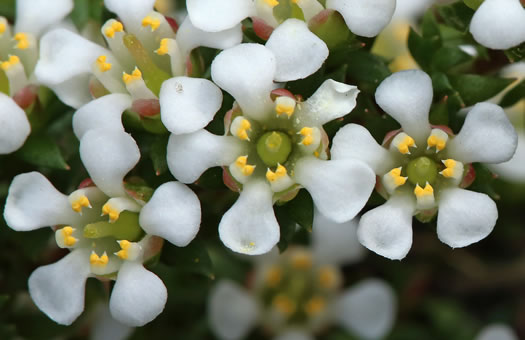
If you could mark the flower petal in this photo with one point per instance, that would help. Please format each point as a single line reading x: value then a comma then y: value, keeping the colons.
x: 298, y: 52
x: 387, y: 229
x: 214, y: 16
x: 58, y: 289
x: 331, y: 100
x: 231, y: 310
x: 465, y: 217
x: 105, y: 327
x: 368, y: 309
x: 35, y: 16
x: 103, y: 112
x: 364, y: 18
x: 407, y: 96
x: 513, y: 170
x: 497, y: 332
x: 250, y: 226
x: 353, y: 141
x: 294, y: 334
x: 138, y: 295
x: 486, y: 136
x: 14, y: 126
x: 173, y: 213
x: 335, y: 243
x: 188, y: 104
x: 189, y: 155
x: 108, y: 155
x: 131, y: 12
x: 238, y: 71
x: 499, y: 24
x: 75, y: 91
x: 339, y: 188
x: 33, y: 202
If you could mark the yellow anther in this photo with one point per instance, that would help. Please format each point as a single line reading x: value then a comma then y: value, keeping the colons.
x: 13, y: 60
x: 307, y: 134
x: 2, y: 28
x: 116, y: 26
x: 69, y: 240
x: 164, y: 47
x: 246, y: 169
x: 396, y: 176
x: 272, y: 3
x: 152, y: 22
x: 314, y: 306
x: 405, y: 144
x: 113, y: 214
x: 426, y: 191
x: 285, y: 105
x: 327, y: 277
x: 241, y: 161
x: 23, y: 42
x: 301, y: 260
x: 99, y: 261
x: 135, y: 75
x: 102, y: 65
x: 80, y: 203
x: 274, y: 276
x: 279, y: 173
x: 449, y: 163
x: 451, y: 169
x: 316, y: 154
x: 437, y: 142
x: 284, y: 304
x: 124, y: 245
x: 244, y: 127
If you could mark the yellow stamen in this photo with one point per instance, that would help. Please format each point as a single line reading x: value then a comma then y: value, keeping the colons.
x: 246, y: 169
x: 116, y: 26
x: 405, y: 144
x: 451, y: 168
x: 307, y: 134
x: 327, y: 277
x: 152, y: 22
x: 80, y: 203
x: 272, y: 3
x: 2, y: 28
x: 163, y: 48
x: 102, y: 65
x: 101, y: 261
x: 135, y: 75
x: 314, y: 306
x: 426, y: 191
x: 242, y: 132
x: 23, y: 42
x: 284, y: 304
x: 301, y: 260
x: 124, y: 245
x: 69, y: 240
x: 13, y: 60
x: 396, y: 175
x: 437, y: 142
x: 274, y: 276
x: 285, y: 105
x: 279, y: 173
x: 107, y: 209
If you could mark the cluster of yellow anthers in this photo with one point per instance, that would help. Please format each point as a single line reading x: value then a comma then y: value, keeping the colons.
x: 115, y: 26
x: 241, y: 163
x: 279, y: 173
x: 12, y: 61
x: 152, y: 22
x: 102, y: 64
x: 129, y: 78
x: 22, y: 41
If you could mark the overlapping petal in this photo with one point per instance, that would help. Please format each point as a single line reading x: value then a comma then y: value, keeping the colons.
x: 214, y: 16
x: 35, y: 16
x: 14, y: 126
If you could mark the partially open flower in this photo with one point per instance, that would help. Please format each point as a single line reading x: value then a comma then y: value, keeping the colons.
x: 421, y: 167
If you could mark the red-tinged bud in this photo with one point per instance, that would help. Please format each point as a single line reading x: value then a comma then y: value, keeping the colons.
x: 26, y: 96
x: 389, y: 136
x: 229, y: 181
x: 88, y: 182
x: 469, y: 177
x: 261, y: 28
x: 146, y: 107
x: 230, y: 116
x: 281, y: 93
x: 173, y: 23
x: 330, y: 26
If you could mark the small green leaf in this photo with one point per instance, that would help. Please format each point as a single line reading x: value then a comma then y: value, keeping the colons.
x: 514, y: 95
x: 367, y: 69
x: 457, y: 15
x: 430, y: 27
x: 158, y: 154
x: 193, y: 258
x: 421, y: 49
x: 516, y: 53
x: 447, y: 57
x: 301, y: 209
x: 474, y: 88
x: 287, y: 225
x: 474, y: 4
x: 41, y: 150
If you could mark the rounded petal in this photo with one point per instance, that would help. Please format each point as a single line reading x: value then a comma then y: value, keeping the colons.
x: 246, y: 72
x: 364, y: 18
x: 499, y: 24
x: 486, y: 136
x: 513, y: 170
x: 387, y: 229
x: 189, y: 155
x: 407, y: 96
x: 105, y: 327
x: 58, y: 289
x: 214, y: 16
x: 108, y: 156
x: 368, y: 309
x: 75, y: 91
x: 298, y: 52
x: 188, y: 104
x: 497, y: 332
x: 339, y: 188
x: 33, y: 202
x: 173, y: 213
x: 35, y: 16
x: 335, y: 243
x: 138, y: 295
x: 465, y: 217
x: 14, y: 126
x: 250, y: 226
x: 294, y: 334
x: 103, y: 112
x: 331, y: 100
x: 131, y: 12
x: 353, y: 141
x: 231, y: 310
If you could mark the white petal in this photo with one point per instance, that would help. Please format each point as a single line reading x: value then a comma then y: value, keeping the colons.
x: 339, y: 188
x: 294, y: 334
x: 213, y: 15
x: 173, y: 213
x: 14, y: 126
x: 138, y: 295
x: 298, y: 52
x: 103, y: 112
x: 108, y: 156
x: 387, y: 229
x: 250, y: 226
x: 497, y: 332
x: 499, y: 24
x: 75, y: 91
x: 486, y: 136
x: 188, y: 104
x: 105, y: 327
x: 35, y: 16
x: 513, y: 170
x: 465, y: 217
x: 231, y: 310
x: 131, y: 12
x: 353, y: 141
x: 364, y: 18
x: 58, y: 289
x: 33, y: 202
x: 335, y: 243
x: 246, y: 72
x: 407, y: 96
x: 191, y: 154
x: 368, y: 309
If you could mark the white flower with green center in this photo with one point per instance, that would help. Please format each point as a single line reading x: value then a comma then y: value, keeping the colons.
x: 142, y: 51
x: 421, y: 167
x: 110, y: 228
x: 273, y: 144
x: 18, y: 57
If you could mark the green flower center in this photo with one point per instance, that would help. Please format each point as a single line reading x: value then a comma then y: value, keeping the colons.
x: 274, y: 147
x: 422, y: 170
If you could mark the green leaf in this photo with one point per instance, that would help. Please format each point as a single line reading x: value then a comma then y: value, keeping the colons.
x: 367, y: 69
x: 457, y: 15
x: 447, y: 57
x: 474, y: 4
x: 514, y: 95
x: 158, y: 154
x: 193, y: 258
x: 516, y: 53
x: 474, y: 88
x: 421, y: 49
x: 41, y: 150
x: 301, y: 209
x: 430, y: 27
x: 287, y: 225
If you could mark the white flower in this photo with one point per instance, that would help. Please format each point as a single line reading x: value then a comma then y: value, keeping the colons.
x: 364, y: 18
x: 109, y: 228
x: 421, y: 166
x: 272, y: 147
x: 18, y: 56
x: 499, y: 24
x: 143, y: 51
x: 497, y: 332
